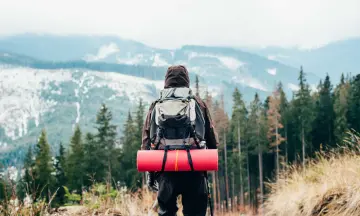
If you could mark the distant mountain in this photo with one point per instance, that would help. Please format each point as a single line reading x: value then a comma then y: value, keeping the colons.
x: 231, y: 65
x: 55, y: 82
x: 334, y: 58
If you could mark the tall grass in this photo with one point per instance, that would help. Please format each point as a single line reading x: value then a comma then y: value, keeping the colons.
x: 98, y: 200
x: 124, y: 203
x: 328, y: 185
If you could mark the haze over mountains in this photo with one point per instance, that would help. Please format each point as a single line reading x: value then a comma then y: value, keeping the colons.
x: 335, y: 58
x: 55, y: 82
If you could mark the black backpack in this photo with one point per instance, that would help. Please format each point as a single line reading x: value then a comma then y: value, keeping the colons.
x: 177, y: 121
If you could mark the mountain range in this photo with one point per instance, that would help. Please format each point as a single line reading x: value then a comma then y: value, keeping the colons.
x: 55, y: 82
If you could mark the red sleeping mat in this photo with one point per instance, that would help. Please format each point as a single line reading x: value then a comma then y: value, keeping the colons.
x: 177, y: 160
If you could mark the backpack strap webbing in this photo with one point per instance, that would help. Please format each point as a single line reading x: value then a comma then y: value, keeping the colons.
x: 164, y: 159
x: 189, y: 157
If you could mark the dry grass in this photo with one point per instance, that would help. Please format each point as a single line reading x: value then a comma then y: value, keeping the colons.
x: 98, y: 202
x: 329, y: 185
x: 123, y: 204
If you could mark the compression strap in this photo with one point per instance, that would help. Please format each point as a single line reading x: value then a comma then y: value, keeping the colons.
x: 165, y: 157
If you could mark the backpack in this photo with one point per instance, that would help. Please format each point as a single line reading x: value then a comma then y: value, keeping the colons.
x: 177, y: 121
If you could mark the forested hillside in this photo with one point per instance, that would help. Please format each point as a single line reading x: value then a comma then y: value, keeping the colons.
x: 256, y: 142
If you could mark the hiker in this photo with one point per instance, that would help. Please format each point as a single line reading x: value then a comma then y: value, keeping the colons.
x: 192, y: 185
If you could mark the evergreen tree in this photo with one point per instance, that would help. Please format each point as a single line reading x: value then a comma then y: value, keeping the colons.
x: 75, y: 162
x: 43, y: 168
x: 139, y: 119
x: 267, y: 104
x: 27, y: 183
x: 303, y: 105
x: 236, y: 132
x: 92, y: 161
x: 61, y: 180
x: 353, y: 114
x: 221, y: 121
x: 341, y: 94
x: 257, y: 136
x: 5, y: 192
x: 128, y: 158
x: 323, y: 127
x: 106, y: 140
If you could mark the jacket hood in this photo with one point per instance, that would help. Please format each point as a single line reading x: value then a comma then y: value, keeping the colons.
x: 177, y: 76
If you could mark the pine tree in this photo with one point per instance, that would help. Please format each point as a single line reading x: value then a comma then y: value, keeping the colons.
x: 274, y: 122
x: 139, y: 119
x: 43, y: 168
x: 303, y: 104
x: 323, y: 127
x: 293, y: 128
x: 106, y: 140
x: 257, y: 136
x: 353, y: 114
x: 128, y: 157
x: 61, y: 181
x: 341, y: 94
x: 236, y: 132
x: 5, y: 192
x: 92, y: 161
x: 75, y: 162
x: 27, y: 183
x: 221, y: 121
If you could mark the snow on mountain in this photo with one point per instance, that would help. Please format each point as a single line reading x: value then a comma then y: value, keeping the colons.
x: 272, y: 71
x: 129, y: 59
x: 103, y: 52
x: 250, y: 81
x: 231, y: 63
x: 158, y: 61
x: 227, y: 61
x: 29, y: 94
x: 130, y: 86
x: 21, y: 97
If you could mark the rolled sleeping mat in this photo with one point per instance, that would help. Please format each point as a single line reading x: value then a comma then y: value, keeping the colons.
x: 177, y: 160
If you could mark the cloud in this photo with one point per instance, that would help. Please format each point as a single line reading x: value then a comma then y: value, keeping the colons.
x: 169, y: 24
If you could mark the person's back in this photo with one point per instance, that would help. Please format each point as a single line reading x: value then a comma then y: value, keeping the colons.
x: 190, y: 185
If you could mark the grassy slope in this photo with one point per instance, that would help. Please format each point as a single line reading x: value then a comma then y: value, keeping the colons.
x: 328, y: 186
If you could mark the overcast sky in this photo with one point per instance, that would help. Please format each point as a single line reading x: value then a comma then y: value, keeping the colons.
x: 170, y: 23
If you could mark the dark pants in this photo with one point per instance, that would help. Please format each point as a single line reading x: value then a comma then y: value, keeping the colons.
x: 192, y: 188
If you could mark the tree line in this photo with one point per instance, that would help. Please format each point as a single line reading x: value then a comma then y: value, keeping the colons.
x: 257, y: 141
x: 262, y: 137
x: 91, y: 158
